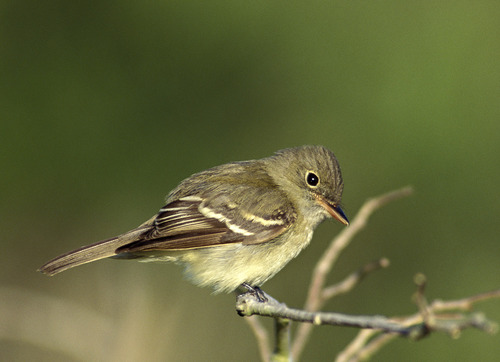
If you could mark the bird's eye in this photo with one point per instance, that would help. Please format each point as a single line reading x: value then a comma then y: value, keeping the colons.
x: 312, y: 179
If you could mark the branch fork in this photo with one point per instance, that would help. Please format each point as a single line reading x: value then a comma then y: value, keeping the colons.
x: 450, y: 317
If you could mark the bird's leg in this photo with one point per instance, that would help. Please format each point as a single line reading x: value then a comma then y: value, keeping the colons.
x: 255, y: 291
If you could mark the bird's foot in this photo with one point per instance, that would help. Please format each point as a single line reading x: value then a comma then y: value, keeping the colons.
x: 256, y: 292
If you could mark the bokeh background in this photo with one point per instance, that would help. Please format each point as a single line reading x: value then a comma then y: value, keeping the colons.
x: 106, y: 105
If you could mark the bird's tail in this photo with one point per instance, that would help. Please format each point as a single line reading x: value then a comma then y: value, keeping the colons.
x: 89, y: 253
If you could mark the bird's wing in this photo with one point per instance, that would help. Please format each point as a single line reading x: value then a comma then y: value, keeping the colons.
x: 192, y: 222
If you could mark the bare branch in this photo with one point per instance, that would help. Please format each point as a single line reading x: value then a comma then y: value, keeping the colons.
x: 362, y: 352
x: 353, y: 279
x: 368, y: 342
x: 376, y: 330
x: 282, y: 343
x: 464, y: 304
x: 248, y: 304
x: 316, y: 296
x: 356, y: 345
x: 384, y: 329
x: 339, y: 243
x: 261, y: 335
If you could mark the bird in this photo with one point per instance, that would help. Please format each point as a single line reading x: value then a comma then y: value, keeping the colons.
x: 235, y: 225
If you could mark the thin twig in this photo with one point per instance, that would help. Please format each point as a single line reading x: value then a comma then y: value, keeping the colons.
x: 282, y: 344
x: 384, y: 329
x: 381, y: 330
x: 353, y: 279
x: 421, y: 301
x: 262, y: 337
x: 361, y: 339
x: 368, y: 342
x: 464, y: 304
x: 315, y: 298
x: 371, y: 348
x: 342, y: 240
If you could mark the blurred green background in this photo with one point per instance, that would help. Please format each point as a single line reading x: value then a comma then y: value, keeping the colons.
x: 106, y: 105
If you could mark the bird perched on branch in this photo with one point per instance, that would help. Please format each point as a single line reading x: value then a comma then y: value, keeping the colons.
x: 233, y: 225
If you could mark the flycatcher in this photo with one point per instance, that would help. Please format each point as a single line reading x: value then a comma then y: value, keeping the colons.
x: 232, y: 225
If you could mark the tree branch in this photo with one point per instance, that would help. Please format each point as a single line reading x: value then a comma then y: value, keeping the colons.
x: 382, y: 329
x: 353, y: 279
x: 368, y: 342
x: 316, y: 296
x: 248, y: 304
x: 339, y: 243
x: 282, y: 343
x: 261, y: 335
x: 376, y: 330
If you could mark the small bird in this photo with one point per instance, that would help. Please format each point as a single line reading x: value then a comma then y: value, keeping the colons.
x: 234, y: 225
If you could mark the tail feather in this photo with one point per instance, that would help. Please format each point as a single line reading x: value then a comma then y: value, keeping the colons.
x: 89, y: 253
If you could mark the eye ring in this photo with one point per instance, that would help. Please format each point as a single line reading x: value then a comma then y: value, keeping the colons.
x: 312, y: 179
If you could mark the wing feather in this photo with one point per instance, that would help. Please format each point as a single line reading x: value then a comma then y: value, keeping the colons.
x: 195, y: 222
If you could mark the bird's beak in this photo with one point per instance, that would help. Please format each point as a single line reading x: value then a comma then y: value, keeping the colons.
x: 333, y: 210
